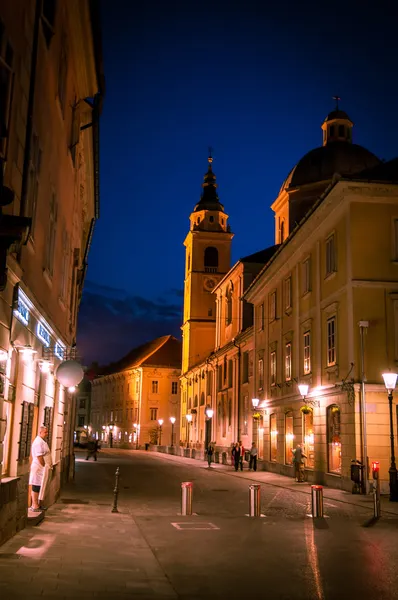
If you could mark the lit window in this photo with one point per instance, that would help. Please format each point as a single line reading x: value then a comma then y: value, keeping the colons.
x: 330, y: 255
x: 174, y: 387
x: 331, y: 341
x: 260, y: 374
x: 307, y: 352
x: 273, y: 438
x: 334, y: 439
x: 288, y: 361
x: 272, y: 368
x: 288, y: 293
x: 308, y: 437
x: 155, y: 387
x: 306, y: 270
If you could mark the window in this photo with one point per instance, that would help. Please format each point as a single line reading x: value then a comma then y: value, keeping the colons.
x: 229, y: 306
x: 308, y: 437
x: 272, y: 306
x: 334, y: 439
x: 75, y: 130
x: 260, y: 374
x: 51, y: 236
x: 230, y: 373
x: 211, y: 219
x: 33, y: 184
x: 202, y: 399
x: 219, y: 378
x: 174, y: 387
x: 62, y: 72
x: 289, y: 437
x: 272, y: 368
x: 330, y: 255
x: 82, y: 403
x: 273, y: 438
x: 341, y: 130
x: 153, y: 414
x: 25, y: 437
x: 306, y: 269
x: 261, y: 317
x: 81, y: 421
x: 211, y: 260
x: 288, y: 361
x: 307, y: 352
x: 195, y: 401
x: 6, y: 81
x: 288, y: 293
x: 331, y: 130
x: 64, y: 276
x: 155, y: 387
x: 331, y: 341
x: 209, y: 382
x: 245, y: 375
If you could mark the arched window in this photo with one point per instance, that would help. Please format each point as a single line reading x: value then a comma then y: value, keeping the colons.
x: 334, y: 439
x: 196, y: 400
x: 289, y: 437
x: 308, y: 436
x: 211, y: 259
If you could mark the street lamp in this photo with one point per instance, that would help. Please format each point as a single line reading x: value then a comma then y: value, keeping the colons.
x: 160, y: 421
x: 390, y: 381
x: 255, y: 403
x: 303, y: 389
x: 172, y: 421
x: 189, y: 420
x: 209, y: 413
x: 110, y: 435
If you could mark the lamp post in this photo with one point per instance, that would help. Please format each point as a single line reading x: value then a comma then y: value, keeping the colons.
x: 110, y: 435
x: 189, y: 420
x: 137, y: 431
x: 209, y: 415
x: 172, y: 421
x: 160, y: 421
x: 390, y: 381
x: 255, y: 403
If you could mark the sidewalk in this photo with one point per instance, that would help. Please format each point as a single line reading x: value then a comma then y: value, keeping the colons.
x: 267, y: 478
x: 82, y: 550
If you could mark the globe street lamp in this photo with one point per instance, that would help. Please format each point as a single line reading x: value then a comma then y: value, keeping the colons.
x: 189, y: 420
x: 390, y: 381
x: 160, y: 421
x: 172, y: 421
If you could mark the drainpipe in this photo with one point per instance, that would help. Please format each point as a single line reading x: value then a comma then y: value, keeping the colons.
x: 363, y: 326
x: 238, y: 387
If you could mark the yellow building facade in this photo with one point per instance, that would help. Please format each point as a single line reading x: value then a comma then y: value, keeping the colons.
x: 132, y: 396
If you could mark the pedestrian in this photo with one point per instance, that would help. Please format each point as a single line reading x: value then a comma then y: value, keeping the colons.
x: 41, y: 460
x: 241, y: 455
x: 253, y: 457
x: 92, y: 448
x: 210, y: 452
x: 233, y: 454
x: 298, y: 461
x: 236, y: 454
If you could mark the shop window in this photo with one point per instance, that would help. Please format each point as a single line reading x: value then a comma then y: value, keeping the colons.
x: 308, y: 437
x: 334, y: 439
x: 289, y: 437
x: 273, y: 438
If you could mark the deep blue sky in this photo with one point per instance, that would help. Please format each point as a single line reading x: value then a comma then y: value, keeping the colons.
x: 252, y: 79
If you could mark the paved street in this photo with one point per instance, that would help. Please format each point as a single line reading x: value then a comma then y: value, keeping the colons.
x: 148, y: 551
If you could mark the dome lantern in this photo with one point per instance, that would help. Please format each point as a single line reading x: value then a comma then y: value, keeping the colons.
x: 337, y: 127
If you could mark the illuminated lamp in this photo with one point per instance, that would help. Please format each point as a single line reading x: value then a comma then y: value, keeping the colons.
x: 69, y: 373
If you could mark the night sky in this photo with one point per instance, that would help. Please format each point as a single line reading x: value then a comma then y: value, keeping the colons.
x: 254, y: 80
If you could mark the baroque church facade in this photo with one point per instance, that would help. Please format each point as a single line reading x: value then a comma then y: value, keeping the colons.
x: 318, y: 308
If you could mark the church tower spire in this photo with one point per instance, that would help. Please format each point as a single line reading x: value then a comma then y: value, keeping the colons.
x: 207, y: 260
x: 337, y: 127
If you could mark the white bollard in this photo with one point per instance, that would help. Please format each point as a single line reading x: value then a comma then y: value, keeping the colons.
x: 254, y: 500
x: 186, y: 498
x: 317, y: 501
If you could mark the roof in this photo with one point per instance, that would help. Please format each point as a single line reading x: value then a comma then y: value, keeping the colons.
x: 322, y: 163
x: 384, y: 171
x: 165, y: 351
x: 337, y: 114
x: 209, y: 199
x: 262, y: 256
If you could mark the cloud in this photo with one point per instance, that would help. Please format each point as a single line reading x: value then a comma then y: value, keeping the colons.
x: 111, y: 322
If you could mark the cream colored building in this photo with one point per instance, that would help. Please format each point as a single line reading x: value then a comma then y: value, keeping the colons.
x: 51, y: 74
x: 131, y: 396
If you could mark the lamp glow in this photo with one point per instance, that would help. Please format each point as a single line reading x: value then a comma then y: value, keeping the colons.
x: 45, y: 366
x: 209, y: 413
x: 303, y: 389
x: 255, y: 402
x: 172, y: 420
x: 160, y: 421
x: 188, y: 418
x: 71, y: 389
x: 390, y: 381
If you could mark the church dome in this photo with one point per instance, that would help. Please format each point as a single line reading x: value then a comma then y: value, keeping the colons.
x: 337, y: 155
x: 322, y: 163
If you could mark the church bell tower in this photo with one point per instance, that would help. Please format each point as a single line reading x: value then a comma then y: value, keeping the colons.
x: 207, y: 260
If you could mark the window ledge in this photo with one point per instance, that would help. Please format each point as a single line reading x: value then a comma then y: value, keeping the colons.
x: 47, y: 277
x: 330, y: 276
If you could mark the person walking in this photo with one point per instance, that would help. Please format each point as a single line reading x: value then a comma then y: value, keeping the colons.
x: 210, y: 452
x: 236, y: 454
x: 41, y: 458
x: 92, y: 449
x: 241, y: 455
x: 298, y: 461
x: 253, y: 457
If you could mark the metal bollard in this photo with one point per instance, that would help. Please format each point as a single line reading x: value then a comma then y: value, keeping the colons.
x: 254, y: 500
x: 317, y: 501
x: 186, y: 497
x: 116, y: 492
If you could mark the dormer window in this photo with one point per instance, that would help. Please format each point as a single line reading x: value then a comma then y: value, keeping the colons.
x: 341, y: 130
x: 211, y: 219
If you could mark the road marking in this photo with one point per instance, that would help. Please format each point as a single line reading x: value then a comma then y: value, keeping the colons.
x: 332, y: 505
x: 202, y: 526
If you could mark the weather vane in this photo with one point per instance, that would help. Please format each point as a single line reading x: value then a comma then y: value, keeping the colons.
x: 336, y: 98
x: 210, y: 154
